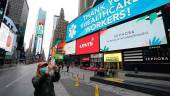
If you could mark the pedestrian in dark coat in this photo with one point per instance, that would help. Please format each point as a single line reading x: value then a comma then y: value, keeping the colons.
x: 43, y: 81
x: 62, y: 66
x: 68, y: 66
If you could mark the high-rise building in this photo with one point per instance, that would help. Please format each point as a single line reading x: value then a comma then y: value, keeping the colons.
x: 18, y: 10
x: 59, y: 33
x: 3, y: 4
x: 86, y: 4
x: 40, y: 25
x: 29, y: 51
x: 60, y: 28
x: 55, y: 22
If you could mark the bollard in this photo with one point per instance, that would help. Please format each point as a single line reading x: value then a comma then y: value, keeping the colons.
x: 97, y: 90
x: 77, y: 81
x: 83, y: 76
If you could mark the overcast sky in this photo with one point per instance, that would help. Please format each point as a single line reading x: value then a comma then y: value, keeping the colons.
x: 53, y: 8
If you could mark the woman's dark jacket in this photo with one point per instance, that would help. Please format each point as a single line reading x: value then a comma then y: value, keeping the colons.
x: 44, y: 85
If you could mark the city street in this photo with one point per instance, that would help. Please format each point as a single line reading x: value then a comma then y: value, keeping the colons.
x: 99, y: 47
x: 16, y: 81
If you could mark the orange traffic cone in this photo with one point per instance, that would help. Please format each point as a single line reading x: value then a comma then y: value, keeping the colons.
x: 97, y: 90
x: 77, y: 81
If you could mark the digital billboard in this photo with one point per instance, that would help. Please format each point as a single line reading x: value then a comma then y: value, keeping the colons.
x: 40, y: 28
x: 107, y: 13
x: 70, y: 48
x: 59, y: 56
x: 41, y: 22
x: 88, y: 44
x: 6, y: 40
x: 113, y: 57
x: 99, y: 55
x: 39, y: 45
x: 144, y: 31
x: 9, y: 43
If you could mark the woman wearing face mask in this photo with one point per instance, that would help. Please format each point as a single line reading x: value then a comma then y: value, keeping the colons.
x: 43, y: 81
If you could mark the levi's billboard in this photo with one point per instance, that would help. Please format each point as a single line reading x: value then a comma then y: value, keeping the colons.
x: 88, y: 44
x: 107, y: 13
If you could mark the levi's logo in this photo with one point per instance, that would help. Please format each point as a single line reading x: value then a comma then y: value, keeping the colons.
x: 87, y: 44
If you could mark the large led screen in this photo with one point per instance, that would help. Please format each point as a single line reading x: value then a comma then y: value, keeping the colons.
x: 88, y: 44
x: 113, y: 57
x: 39, y: 45
x: 70, y: 48
x: 145, y: 31
x: 6, y: 38
x: 108, y: 13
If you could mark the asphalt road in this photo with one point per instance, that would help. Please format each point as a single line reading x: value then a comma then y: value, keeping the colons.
x: 16, y: 81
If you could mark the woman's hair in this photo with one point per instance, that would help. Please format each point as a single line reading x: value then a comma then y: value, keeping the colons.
x: 41, y: 65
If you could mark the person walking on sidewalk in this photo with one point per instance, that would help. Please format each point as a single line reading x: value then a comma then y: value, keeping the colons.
x: 43, y: 81
x: 59, y: 66
x: 62, y: 65
x: 68, y: 66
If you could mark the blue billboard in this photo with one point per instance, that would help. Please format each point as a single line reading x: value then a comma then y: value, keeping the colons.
x: 108, y: 13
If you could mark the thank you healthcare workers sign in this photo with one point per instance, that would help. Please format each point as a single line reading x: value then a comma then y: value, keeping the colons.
x: 108, y: 13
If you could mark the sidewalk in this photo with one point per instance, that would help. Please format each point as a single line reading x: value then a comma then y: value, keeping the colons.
x: 67, y: 81
x: 60, y: 90
x: 148, y: 73
x: 83, y: 74
x: 83, y: 89
x: 147, y: 85
x: 156, y: 76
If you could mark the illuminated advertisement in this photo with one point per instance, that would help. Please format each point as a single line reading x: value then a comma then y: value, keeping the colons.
x: 144, y: 31
x: 99, y: 55
x: 6, y: 40
x: 96, y: 57
x: 9, y: 43
x: 60, y: 47
x: 39, y: 45
x: 40, y: 28
x: 70, y: 48
x: 88, y: 44
x: 113, y: 57
x: 41, y: 22
x: 59, y: 56
x: 107, y: 13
